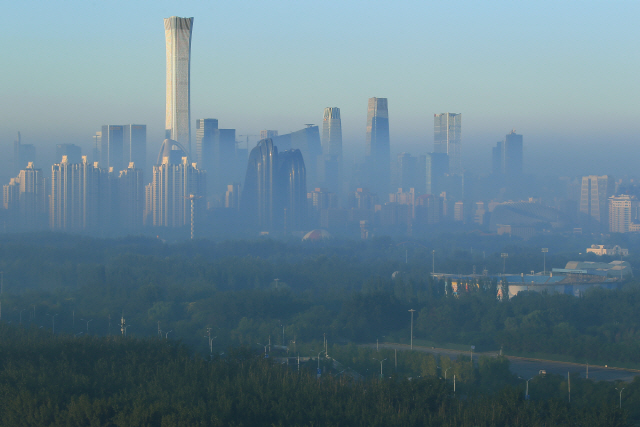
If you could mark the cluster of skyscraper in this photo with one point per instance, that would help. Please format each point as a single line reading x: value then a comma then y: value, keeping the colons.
x: 219, y: 183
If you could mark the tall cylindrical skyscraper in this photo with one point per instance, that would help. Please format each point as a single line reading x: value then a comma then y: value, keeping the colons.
x: 331, y: 132
x: 378, y: 149
x: 446, y: 139
x: 177, y: 32
x: 330, y: 167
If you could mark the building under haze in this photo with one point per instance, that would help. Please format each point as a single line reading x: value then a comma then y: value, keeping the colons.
x: 81, y: 197
x: 446, y: 139
x: 378, y: 148
x: 25, y: 200
x: 268, y: 134
x: 623, y: 210
x: 215, y: 154
x: 594, y: 199
x: 131, y: 198
x: 72, y: 151
x: 111, y: 146
x: 436, y: 168
x: 507, y: 156
x: 306, y: 140
x: 275, y: 194
x: 330, y: 173
x: 22, y: 154
x: 177, y: 32
x: 406, y: 171
x: 175, y: 180
x: 135, y: 145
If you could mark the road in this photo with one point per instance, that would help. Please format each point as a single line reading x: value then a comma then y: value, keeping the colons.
x: 527, y: 368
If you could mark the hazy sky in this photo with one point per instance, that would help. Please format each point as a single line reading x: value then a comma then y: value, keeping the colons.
x: 563, y: 74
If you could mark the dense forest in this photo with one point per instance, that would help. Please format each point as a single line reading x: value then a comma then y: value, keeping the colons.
x: 65, y: 380
x: 247, y: 292
x: 199, y: 317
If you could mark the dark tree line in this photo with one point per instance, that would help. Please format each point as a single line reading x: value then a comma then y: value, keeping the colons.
x: 99, y: 381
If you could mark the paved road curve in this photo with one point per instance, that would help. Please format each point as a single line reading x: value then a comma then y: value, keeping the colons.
x: 527, y: 368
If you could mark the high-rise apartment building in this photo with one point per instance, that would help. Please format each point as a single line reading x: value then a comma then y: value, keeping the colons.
x: 330, y: 173
x: 131, y: 198
x: 174, y: 181
x: 135, y: 146
x: 177, y: 33
x: 446, y: 139
x: 378, y: 148
x: 594, y: 198
x: 623, y: 210
x: 81, y: 196
x: 24, y: 200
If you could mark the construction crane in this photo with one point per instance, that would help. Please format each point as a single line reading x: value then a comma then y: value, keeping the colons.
x: 193, y: 198
x: 247, y: 140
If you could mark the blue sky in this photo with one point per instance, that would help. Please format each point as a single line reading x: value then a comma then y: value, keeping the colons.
x: 564, y: 74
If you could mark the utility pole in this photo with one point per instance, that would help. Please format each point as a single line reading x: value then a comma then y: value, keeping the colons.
x: 123, y: 327
x: 381, y: 375
x: 411, y: 311
x: 620, y: 396
x: 504, y: 256
x: 433, y: 262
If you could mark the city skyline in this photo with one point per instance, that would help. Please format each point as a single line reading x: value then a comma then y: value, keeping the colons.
x: 536, y: 87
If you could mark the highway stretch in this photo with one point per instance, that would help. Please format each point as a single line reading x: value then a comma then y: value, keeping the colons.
x: 527, y: 367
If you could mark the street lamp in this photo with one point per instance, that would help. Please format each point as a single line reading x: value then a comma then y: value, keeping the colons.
x: 504, y: 256
x: 265, y: 349
x: 544, y: 254
x: 526, y: 393
x: 445, y: 373
x: 433, y: 262
x: 620, y: 396
x: 381, y: 376
x: 53, y: 318
x: 319, y: 358
x: 411, y: 311
x: 210, y: 342
x: 166, y: 335
x: 90, y: 320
